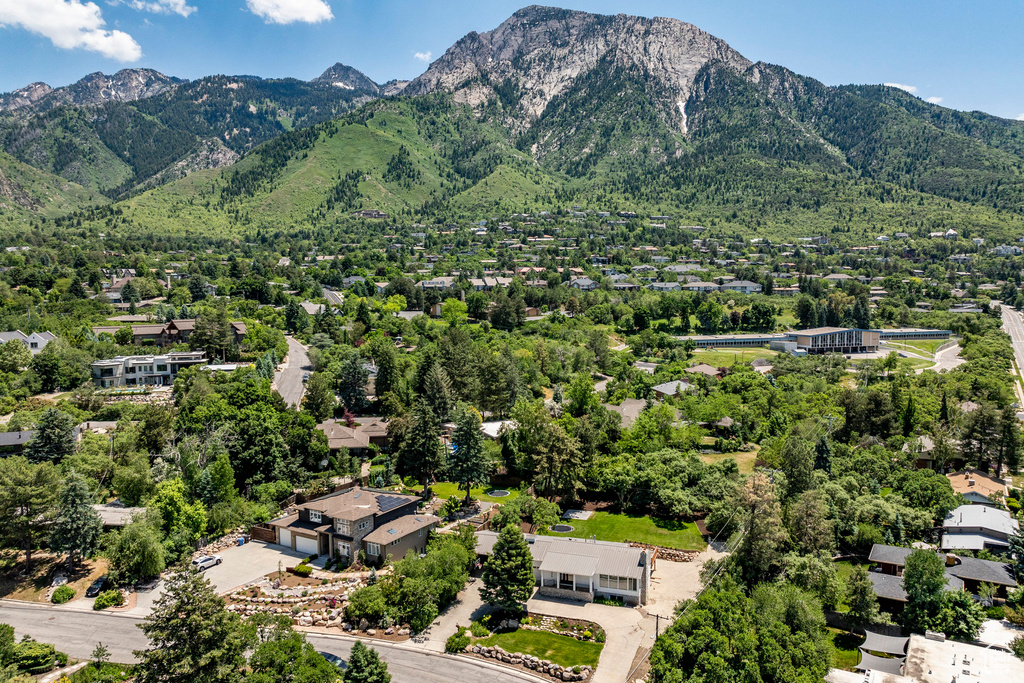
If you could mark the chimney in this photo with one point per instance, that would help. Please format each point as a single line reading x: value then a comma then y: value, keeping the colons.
x: 970, y: 482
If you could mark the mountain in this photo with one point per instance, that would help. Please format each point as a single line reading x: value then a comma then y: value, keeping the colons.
x: 26, y: 192
x: 135, y: 130
x: 343, y: 76
x: 127, y: 85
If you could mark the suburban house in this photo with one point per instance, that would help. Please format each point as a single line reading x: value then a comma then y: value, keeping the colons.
x: 380, y: 524
x: 743, y: 287
x: 705, y: 369
x: 924, y: 448
x: 584, y: 284
x: 629, y: 410
x: 441, y: 283
x: 978, y: 487
x: 673, y: 388
x: 165, y: 334
x: 701, y: 286
x: 134, y: 371
x: 35, y: 342
x: 582, y: 569
x: 663, y: 287
x: 358, y: 438
x: 116, y: 516
x: 962, y: 573
x: 974, y: 527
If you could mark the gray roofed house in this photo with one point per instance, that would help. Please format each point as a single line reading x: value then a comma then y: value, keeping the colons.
x: 673, y: 388
x: 969, y: 571
x: 974, y: 527
x: 629, y: 409
x: 114, y: 516
x: 889, y: 587
x: 36, y: 341
x: 582, y: 569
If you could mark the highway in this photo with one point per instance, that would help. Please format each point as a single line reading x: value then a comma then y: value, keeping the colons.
x: 77, y: 633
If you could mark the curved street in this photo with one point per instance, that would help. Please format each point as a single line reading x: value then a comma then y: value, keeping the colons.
x: 77, y: 633
x: 289, y: 379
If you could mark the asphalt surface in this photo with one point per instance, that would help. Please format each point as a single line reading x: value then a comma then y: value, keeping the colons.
x: 333, y: 298
x: 1014, y: 326
x: 77, y: 633
x: 289, y: 379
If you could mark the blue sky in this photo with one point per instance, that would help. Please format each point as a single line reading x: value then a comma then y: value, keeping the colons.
x: 969, y: 54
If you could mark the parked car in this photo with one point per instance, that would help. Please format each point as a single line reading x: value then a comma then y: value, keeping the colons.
x: 96, y: 588
x: 305, y: 377
x: 206, y: 561
x: 337, y: 661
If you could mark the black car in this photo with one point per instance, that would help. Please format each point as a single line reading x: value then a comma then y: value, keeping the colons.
x: 97, y: 586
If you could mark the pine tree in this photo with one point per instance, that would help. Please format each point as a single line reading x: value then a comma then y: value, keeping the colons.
x: 55, y: 437
x: 860, y: 596
x: 77, y: 528
x: 468, y: 464
x: 944, y: 409
x: 192, y: 637
x: 422, y: 454
x: 508, y: 572
x: 365, y: 666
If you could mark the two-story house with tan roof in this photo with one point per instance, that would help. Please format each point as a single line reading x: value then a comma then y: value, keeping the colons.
x: 382, y: 524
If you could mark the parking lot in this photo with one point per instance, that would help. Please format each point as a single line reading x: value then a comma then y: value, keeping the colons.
x: 241, y: 565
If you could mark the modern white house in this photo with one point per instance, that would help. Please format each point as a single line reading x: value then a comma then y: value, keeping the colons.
x: 139, y: 371
x: 582, y: 569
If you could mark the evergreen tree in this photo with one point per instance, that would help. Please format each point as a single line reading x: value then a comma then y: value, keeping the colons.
x: 27, y: 497
x: 213, y: 331
x: 422, y: 455
x: 468, y: 464
x: 55, y: 437
x: 437, y: 391
x: 508, y: 572
x: 352, y: 378
x: 760, y: 552
x: 944, y: 409
x: 861, y: 597
x: 77, y: 528
x: 319, y: 399
x: 365, y: 666
x: 191, y: 636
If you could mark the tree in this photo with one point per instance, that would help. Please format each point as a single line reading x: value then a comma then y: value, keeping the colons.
x: 213, y: 331
x: 176, y: 512
x: 283, y: 655
x: 100, y: 655
x: 320, y: 399
x: 77, y: 528
x: 55, y: 437
x: 136, y: 553
x: 454, y: 312
x: 508, y: 572
x: 811, y: 528
x: 798, y: 464
x: 365, y: 666
x: 815, y: 573
x: 191, y: 636
x: 437, y: 392
x: 352, y: 378
x: 1016, y: 553
x: 924, y: 580
x: 468, y: 463
x: 295, y: 317
x: 422, y: 455
x: 960, y: 616
x: 759, y: 554
x: 861, y: 597
x: 27, y: 497
x: 14, y: 356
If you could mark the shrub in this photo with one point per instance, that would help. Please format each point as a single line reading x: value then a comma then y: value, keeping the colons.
x: 34, y: 658
x: 302, y: 570
x: 63, y: 594
x: 111, y: 598
x: 995, y: 612
x: 62, y: 659
x: 457, y: 642
x: 479, y: 630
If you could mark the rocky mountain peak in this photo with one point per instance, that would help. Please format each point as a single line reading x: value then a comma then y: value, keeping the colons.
x: 127, y: 85
x: 541, y: 52
x: 344, y: 76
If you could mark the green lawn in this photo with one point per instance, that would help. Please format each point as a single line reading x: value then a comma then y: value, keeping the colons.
x: 607, y: 526
x: 561, y: 650
x: 845, y: 569
x: 745, y: 459
x: 845, y: 654
x: 726, y: 358
x: 927, y: 346
x: 445, y: 489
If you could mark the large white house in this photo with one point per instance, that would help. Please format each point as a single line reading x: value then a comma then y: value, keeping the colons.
x: 582, y: 569
x: 138, y: 371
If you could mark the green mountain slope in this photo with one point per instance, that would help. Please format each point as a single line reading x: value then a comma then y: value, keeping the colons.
x: 27, y: 192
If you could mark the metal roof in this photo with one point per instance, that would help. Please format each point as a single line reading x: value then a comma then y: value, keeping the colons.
x: 613, y: 559
x: 970, y: 541
x: 562, y: 563
x: 981, y: 517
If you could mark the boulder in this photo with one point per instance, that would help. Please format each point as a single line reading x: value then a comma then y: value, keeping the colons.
x: 371, y: 631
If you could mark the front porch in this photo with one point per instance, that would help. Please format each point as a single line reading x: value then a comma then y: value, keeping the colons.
x: 566, y: 586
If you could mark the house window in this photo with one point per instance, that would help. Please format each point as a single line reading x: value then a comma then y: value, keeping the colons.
x: 161, y: 368
x: 344, y: 548
x: 619, y: 583
x: 343, y: 527
x: 314, y: 516
x: 372, y: 549
x: 365, y: 524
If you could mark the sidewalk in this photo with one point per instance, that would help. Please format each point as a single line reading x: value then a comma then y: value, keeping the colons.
x: 468, y: 607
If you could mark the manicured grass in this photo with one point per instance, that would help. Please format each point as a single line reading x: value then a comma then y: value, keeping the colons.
x: 561, y: 650
x: 927, y: 346
x: 726, y: 358
x: 845, y: 654
x: 445, y: 489
x: 745, y: 460
x: 607, y: 526
x: 845, y: 570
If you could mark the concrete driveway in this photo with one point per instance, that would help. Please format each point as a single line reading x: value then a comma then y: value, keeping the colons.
x: 241, y: 565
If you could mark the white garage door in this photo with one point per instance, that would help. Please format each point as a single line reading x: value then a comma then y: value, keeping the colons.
x: 286, y: 538
x: 306, y: 545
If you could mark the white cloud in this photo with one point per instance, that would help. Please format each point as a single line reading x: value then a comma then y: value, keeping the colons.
x: 423, y: 56
x: 934, y: 100
x: 908, y: 88
x: 291, y: 11
x: 1020, y: 117
x: 70, y: 24
x: 162, y: 6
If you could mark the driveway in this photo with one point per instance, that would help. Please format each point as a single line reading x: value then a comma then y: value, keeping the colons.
x: 241, y: 565
x: 289, y: 379
x: 467, y: 608
x: 673, y: 582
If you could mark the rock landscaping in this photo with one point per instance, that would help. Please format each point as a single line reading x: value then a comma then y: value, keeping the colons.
x: 541, y: 666
x: 669, y: 554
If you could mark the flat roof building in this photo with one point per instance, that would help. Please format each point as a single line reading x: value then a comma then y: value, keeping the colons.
x: 138, y: 371
x: 836, y: 340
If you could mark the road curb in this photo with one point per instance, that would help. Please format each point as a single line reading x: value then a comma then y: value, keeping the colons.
x: 25, y: 604
x: 442, y: 655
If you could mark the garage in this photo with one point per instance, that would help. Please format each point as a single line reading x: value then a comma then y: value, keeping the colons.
x: 306, y: 545
x: 284, y: 537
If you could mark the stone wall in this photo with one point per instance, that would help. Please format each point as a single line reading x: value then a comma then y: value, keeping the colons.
x: 566, y: 594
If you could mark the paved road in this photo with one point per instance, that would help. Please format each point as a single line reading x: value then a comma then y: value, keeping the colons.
x: 77, y: 633
x: 289, y: 379
x: 333, y: 298
x: 1014, y: 327
x: 947, y: 359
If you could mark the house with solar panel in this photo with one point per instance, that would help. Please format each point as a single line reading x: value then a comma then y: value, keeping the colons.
x: 382, y: 524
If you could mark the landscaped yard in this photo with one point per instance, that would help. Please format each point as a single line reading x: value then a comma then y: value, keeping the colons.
x: 845, y: 569
x: 561, y: 650
x: 33, y: 587
x: 926, y: 346
x: 446, y: 490
x: 845, y: 655
x: 725, y: 358
x: 607, y: 526
x: 745, y: 459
